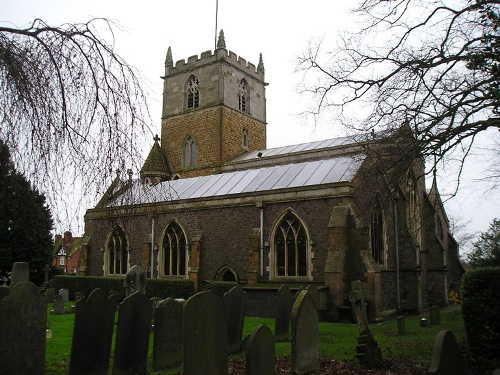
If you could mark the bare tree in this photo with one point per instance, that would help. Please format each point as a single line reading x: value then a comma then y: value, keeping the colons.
x: 430, y: 64
x: 71, y: 109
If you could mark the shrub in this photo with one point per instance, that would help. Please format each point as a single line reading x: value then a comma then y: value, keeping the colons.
x: 175, y: 288
x: 481, y: 309
x: 220, y: 287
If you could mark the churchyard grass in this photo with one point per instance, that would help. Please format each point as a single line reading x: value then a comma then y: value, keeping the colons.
x: 337, y: 341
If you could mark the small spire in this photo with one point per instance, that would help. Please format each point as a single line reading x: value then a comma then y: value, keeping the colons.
x: 168, y: 60
x: 260, y: 67
x: 156, y: 138
x: 221, y: 42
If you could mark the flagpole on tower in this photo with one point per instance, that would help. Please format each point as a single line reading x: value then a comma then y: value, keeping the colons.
x: 216, y: 14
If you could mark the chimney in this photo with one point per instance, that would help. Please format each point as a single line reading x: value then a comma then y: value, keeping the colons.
x: 68, y: 238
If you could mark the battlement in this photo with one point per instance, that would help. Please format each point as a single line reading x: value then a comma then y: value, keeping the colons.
x: 209, y: 57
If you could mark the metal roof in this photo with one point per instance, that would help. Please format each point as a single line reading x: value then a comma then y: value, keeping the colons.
x: 295, y: 175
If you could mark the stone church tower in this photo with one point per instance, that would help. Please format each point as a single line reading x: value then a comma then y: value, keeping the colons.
x: 214, y: 109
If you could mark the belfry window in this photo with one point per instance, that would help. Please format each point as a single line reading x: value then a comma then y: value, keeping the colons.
x: 117, y: 253
x: 290, y: 248
x: 174, y: 251
x: 377, y: 234
x: 189, y: 152
x: 243, y: 97
x: 193, y: 93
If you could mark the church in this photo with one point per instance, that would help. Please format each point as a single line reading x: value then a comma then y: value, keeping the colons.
x: 211, y: 202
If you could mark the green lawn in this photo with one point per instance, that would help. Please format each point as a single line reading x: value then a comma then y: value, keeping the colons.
x: 337, y: 341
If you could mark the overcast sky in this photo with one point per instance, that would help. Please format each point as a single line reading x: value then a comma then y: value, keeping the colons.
x: 279, y: 29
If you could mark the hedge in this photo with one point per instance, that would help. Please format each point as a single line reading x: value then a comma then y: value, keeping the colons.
x: 220, y: 287
x: 481, y: 311
x: 163, y: 288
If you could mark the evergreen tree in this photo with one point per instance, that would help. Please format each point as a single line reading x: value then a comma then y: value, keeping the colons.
x: 486, y: 251
x: 25, y: 222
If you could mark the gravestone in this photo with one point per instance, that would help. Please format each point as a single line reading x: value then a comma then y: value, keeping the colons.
x: 446, y: 356
x: 4, y: 291
x: 58, y: 305
x: 135, y: 281
x: 313, y: 291
x: 132, y: 335
x: 65, y: 294
x: 434, y: 316
x: 167, y: 340
x: 283, y: 311
x: 367, y: 351
x: 79, y: 295
x: 50, y: 293
x: 204, y: 335
x: 23, y: 324
x: 234, y: 306
x: 20, y: 272
x: 260, y: 357
x: 305, y: 335
x: 92, y: 334
x: 401, y: 325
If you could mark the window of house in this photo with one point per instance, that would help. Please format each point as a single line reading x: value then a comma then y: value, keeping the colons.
x: 290, y: 248
x: 243, y: 97
x: 117, y: 253
x: 193, y: 93
x: 174, y: 250
x: 377, y: 234
x: 189, y: 152
x: 62, y: 260
x: 245, y: 138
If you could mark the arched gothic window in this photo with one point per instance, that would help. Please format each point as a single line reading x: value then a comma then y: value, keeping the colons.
x: 412, y: 208
x: 193, y: 92
x: 290, y: 248
x: 245, y: 138
x: 117, y: 252
x: 243, y: 96
x: 377, y: 234
x: 189, y: 152
x: 174, y: 251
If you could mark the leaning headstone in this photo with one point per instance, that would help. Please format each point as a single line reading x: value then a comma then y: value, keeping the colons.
x: 367, y: 351
x: 92, y: 334
x: 20, y: 272
x: 65, y: 294
x: 167, y: 341
x: 234, y: 306
x: 204, y: 335
x: 58, y: 305
x: 23, y: 324
x: 313, y: 291
x: 135, y: 281
x: 401, y: 325
x: 305, y: 335
x: 446, y: 356
x: 260, y: 357
x: 434, y: 316
x: 132, y: 335
x: 50, y: 293
x: 4, y: 291
x: 283, y: 311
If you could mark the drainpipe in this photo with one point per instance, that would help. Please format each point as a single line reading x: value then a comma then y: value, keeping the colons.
x: 153, y: 217
x: 396, y: 238
x: 260, y: 205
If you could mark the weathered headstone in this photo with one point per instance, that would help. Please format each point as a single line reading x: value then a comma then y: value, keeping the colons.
x: 434, y: 316
x: 92, y: 334
x: 132, y: 335
x: 23, y: 324
x: 260, y: 357
x: 135, y: 281
x: 313, y: 291
x: 283, y: 311
x: 446, y: 356
x: 305, y: 335
x: 20, y: 272
x: 50, y: 293
x: 401, y: 325
x: 79, y: 295
x: 204, y: 335
x: 367, y: 351
x: 167, y: 341
x: 4, y: 291
x: 234, y: 306
x: 64, y: 293
x: 58, y: 305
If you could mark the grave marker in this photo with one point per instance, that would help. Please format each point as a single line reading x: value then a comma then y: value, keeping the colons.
x: 65, y: 294
x: 135, y: 281
x: 167, y: 341
x: 92, y: 334
x: 234, y: 306
x: 58, y: 305
x: 434, y: 316
x: 283, y: 311
x: 20, y: 272
x: 305, y: 335
x: 132, y: 335
x: 204, y: 335
x: 446, y: 356
x: 260, y: 357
